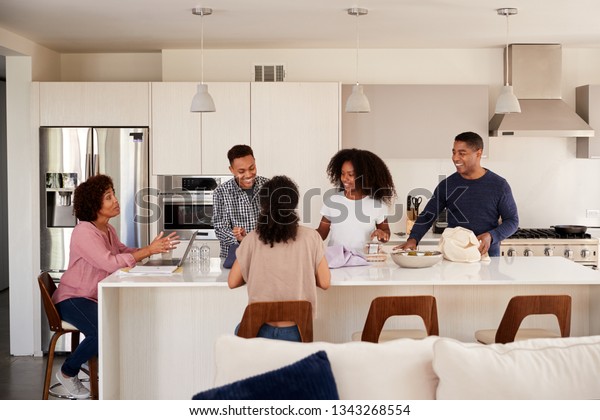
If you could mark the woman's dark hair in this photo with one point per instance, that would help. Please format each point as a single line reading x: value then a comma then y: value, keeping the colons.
x: 89, y: 196
x: 372, y: 175
x: 278, y: 220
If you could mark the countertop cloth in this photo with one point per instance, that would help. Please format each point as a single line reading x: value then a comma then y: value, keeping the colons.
x: 340, y: 256
x: 461, y: 245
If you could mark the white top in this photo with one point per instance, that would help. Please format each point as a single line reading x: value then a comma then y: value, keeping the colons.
x: 352, y: 221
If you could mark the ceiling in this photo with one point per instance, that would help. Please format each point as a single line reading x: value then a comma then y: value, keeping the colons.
x: 80, y: 26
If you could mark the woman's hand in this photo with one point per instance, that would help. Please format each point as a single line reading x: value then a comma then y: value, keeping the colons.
x: 162, y: 243
x: 381, y: 235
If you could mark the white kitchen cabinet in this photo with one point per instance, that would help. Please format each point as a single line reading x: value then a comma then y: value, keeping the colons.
x: 295, y: 131
x: 416, y: 121
x: 125, y: 104
x: 588, y: 108
x: 194, y: 143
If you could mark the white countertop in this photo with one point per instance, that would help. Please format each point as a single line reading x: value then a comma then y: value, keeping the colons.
x: 499, y: 271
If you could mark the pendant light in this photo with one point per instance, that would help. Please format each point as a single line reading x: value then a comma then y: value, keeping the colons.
x: 357, y: 102
x: 202, y: 101
x: 507, y: 102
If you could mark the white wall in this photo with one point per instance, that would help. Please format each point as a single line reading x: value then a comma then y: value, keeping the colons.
x: 45, y: 62
x: 23, y: 231
x: 140, y: 67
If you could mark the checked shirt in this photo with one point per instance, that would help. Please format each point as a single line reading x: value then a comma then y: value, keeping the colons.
x: 232, y: 207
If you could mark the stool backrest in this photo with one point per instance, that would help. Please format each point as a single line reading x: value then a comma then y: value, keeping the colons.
x: 47, y: 289
x: 520, y: 307
x: 384, y: 307
x: 259, y: 313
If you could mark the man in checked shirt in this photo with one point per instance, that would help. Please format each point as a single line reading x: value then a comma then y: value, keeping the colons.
x: 236, y: 207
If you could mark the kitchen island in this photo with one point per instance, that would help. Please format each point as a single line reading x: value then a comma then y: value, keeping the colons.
x: 157, y: 333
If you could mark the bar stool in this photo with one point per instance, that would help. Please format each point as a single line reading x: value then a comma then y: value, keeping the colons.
x: 384, y: 307
x: 520, y: 307
x: 60, y: 327
x: 258, y: 313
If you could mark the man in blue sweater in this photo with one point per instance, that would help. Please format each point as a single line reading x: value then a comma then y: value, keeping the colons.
x: 476, y: 198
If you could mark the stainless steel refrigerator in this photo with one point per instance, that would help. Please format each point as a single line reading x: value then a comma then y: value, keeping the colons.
x: 68, y: 156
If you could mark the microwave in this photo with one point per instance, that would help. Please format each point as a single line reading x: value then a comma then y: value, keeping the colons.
x: 186, y: 204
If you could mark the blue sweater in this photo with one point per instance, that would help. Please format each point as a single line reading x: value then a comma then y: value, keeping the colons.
x: 474, y: 204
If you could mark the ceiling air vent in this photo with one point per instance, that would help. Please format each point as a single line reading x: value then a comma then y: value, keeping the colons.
x: 269, y: 73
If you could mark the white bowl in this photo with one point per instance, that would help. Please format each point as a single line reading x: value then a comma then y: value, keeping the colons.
x: 416, y: 259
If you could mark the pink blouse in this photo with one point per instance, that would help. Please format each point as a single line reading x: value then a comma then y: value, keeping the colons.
x: 92, y: 258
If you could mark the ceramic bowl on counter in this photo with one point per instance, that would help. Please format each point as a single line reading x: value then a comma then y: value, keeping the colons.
x: 416, y: 259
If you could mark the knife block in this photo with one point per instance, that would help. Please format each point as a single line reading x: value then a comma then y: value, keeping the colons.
x: 411, y: 218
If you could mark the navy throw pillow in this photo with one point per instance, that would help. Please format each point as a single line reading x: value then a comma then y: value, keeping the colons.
x: 310, y: 378
x: 230, y: 255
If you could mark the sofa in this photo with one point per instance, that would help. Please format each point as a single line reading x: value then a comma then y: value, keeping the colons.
x: 407, y: 369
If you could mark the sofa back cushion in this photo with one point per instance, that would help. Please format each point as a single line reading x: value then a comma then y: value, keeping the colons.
x: 558, y: 368
x: 397, y: 370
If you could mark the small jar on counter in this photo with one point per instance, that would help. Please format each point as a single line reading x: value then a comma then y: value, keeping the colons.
x: 372, y: 248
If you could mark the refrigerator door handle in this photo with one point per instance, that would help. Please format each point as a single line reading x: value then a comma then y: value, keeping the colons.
x: 88, y: 165
x: 96, y: 161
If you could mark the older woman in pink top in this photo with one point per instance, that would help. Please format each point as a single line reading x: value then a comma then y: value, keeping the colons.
x: 95, y: 253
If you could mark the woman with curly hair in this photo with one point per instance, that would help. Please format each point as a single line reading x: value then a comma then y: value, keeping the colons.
x: 280, y: 260
x: 95, y: 253
x: 356, y: 213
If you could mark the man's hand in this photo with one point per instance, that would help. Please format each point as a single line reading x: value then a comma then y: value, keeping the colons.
x: 485, y: 240
x: 410, y: 244
x: 239, y: 233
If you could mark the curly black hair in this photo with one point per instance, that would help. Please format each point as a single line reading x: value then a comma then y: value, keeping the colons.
x: 89, y: 196
x: 278, y: 219
x: 372, y: 175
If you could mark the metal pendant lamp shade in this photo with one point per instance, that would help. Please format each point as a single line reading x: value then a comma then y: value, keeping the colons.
x: 202, y: 101
x: 507, y: 102
x: 357, y: 101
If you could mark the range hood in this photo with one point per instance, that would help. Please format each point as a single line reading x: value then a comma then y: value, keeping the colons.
x: 535, y: 72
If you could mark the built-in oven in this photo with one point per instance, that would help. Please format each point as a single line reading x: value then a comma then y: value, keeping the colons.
x: 186, y: 204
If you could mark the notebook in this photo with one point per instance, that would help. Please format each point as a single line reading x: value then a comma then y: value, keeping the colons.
x: 164, y: 265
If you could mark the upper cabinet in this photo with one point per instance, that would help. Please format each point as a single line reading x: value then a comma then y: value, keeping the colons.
x: 588, y: 108
x: 416, y: 121
x: 191, y: 143
x: 295, y: 131
x: 94, y: 104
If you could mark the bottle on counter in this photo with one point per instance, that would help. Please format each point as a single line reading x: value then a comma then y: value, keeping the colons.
x: 204, y: 252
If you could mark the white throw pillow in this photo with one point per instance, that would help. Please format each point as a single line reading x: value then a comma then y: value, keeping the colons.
x: 397, y: 370
x: 558, y: 368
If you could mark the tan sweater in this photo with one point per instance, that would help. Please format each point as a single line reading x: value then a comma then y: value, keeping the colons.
x: 284, y: 272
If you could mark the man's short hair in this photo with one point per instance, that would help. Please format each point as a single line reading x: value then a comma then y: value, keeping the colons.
x: 239, y: 151
x: 473, y: 140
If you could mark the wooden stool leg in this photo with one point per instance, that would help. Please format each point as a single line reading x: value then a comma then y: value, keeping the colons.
x: 93, y: 364
x: 49, y: 364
